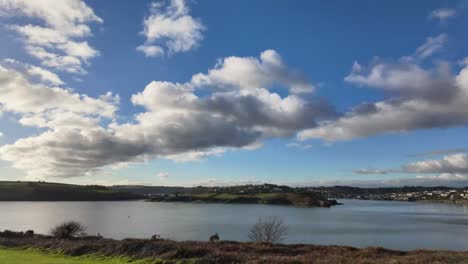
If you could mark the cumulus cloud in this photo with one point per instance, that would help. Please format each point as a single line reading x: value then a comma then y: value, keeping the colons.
x: 252, y: 73
x: 178, y: 122
x: 418, y: 98
x: 442, y: 14
x: 19, y: 95
x: 169, y: 28
x: 58, y: 43
x: 34, y: 71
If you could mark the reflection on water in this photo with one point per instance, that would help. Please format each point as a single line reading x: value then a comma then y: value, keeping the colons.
x: 397, y: 225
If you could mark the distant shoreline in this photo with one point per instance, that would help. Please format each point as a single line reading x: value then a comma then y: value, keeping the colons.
x: 241, y: 194
x: 291, y: 199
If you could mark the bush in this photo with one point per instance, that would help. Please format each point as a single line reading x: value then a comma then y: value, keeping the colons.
x: 214, y: 238
x: 269, y: 230
x: 68, y: 229
x: 29, y: 233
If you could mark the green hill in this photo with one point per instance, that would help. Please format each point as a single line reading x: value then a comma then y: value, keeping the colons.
x: 43, y: 191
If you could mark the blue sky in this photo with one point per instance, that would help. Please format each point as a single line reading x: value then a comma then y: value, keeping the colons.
x: 409, y: 62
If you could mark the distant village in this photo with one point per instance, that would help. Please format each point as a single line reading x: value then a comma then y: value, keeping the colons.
x: 441, y: 195
x: 345, y: 192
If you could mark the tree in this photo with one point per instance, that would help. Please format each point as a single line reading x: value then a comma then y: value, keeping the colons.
x: 268, y: 230
x: 68, y: 229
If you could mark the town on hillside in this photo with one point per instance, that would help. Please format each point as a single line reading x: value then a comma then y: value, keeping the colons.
x: 407, y: 193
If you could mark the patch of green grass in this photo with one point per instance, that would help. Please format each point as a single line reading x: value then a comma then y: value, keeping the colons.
x: 230, y: 196
x: 267, y: 195
x: 27, y: 256
x: 204, y: 195
x: 227, y: 196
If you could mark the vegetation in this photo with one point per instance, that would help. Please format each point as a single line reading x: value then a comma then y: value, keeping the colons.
x: 214, y: 238
x: 42, y: 191
x: 104, y: 251
x: 68, y: 229
x: 268, y: 230
x: 27, y: 256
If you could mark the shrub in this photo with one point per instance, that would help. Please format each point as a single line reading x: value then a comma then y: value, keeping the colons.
x: 68, y: 229
x: 268, y: 230
x: 29, y: 233
x: 214, y: 238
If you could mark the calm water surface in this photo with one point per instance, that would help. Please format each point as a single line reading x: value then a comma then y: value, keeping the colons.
x: 397, y: 225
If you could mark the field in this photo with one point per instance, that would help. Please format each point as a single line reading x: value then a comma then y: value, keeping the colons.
x: 27, y: 256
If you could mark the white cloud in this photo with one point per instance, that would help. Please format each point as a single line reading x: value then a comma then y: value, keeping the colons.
x: 371, y: 171
x: 432, y: 45
x: 19, y: 95
x: 1, y: 134
x: 151, y: 50
x: 449, y: 164
x: 442, y: 14
x: 252, y: 73
x: 169, y: 28
x: 163, y: 175
x: 32, y: 71
x: 406, y: 79
x: 299, y: 145
x: 178, y: 123
x: 450, y: 169
x: 59, y: 42
x: 45, y: 75
x: 419, y: 99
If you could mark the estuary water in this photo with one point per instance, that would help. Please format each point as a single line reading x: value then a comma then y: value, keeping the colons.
x: 395, y: 225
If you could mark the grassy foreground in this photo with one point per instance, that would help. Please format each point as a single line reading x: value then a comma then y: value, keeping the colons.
x: 27, y: 256
x: 17, y: 248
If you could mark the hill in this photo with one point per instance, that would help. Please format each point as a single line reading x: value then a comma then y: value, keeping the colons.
x: 43, y: 191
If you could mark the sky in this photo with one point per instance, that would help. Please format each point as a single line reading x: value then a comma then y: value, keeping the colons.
x: 186, y: 93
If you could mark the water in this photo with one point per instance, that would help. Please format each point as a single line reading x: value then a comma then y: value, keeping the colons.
x: 396, y: 225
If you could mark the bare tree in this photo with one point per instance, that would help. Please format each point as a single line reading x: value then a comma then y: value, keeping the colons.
x: 268, y: 230
x: 68, y: 229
